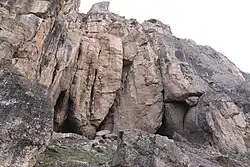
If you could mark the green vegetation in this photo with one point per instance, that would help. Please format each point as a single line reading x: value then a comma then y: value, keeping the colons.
x: 22, y: 144
x: 50, y: 156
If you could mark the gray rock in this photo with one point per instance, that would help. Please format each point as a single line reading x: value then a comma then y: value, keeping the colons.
x: 102, y: 7
x: 25, y: 118
x: 111, y: 136
x: 103, y: 71
x: 217, y: 114
x: 102, y: 133
x: 137, y: 148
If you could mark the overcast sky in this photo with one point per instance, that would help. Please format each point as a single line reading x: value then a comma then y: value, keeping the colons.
x: 221, y: 24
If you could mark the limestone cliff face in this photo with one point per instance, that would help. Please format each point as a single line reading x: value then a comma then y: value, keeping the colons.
x: 106, y: 72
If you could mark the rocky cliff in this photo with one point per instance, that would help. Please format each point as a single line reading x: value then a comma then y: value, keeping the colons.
x: 105, y: 72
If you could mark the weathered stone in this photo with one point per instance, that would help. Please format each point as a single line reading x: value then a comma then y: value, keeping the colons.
x: 106, y: 72
x: 192, y: 101
x: 174, y: 118
x: 111, y: 136
x: 218, y: 115
x: 25, y: 118
x: 101, y: 7
x: 137, y: 148
x: 139, y: 101
x: 103, y: 133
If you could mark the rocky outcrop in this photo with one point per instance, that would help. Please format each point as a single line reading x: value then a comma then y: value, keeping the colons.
x: 105, y: 72
x: 137, y: 148
x: 25, y: 118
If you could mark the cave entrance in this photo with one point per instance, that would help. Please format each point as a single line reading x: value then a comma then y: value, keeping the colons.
x: 68, y: 126
x: 162, y: 130
x: 65, y: 107
x: 173, y: 119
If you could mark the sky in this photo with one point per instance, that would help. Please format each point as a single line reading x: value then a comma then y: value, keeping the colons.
x: 222, y: 24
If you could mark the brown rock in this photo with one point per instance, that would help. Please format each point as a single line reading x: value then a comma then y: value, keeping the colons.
x: 106, y: 72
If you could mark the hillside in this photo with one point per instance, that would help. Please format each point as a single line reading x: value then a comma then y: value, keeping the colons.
x: 169, y: 101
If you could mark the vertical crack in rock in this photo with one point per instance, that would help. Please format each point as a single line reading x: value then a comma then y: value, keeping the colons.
x: 66, y: 103
x: 162, y: 129
x: 74, y: 80
x: 55, y: 72
x: 92, y: 93
x: 79, y: 52
x: 125, y: 70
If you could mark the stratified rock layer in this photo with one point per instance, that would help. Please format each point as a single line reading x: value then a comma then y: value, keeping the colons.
x: 105, y: 72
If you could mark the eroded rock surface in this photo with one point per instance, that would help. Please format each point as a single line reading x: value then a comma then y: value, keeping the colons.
x: 25, y: 118
x: 105, y: 72
x: 137, y: 148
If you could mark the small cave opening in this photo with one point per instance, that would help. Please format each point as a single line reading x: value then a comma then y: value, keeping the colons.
x: 127, y: 64
x: 162, y: 130
x: 59, y: 103
x: 57, y: 108
x: 69, y: 125
x: 174, y: 114
x: 65, y: 104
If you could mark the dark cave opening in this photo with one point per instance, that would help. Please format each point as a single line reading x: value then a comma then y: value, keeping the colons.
x: 69, y: 125
x: 57, y: 109
x: 174, y: 114
x: 162, y: 130
x: 175, y: 121
x: 65, y: 104
x: 60, y: 101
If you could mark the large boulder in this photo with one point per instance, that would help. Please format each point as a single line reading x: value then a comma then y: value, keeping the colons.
x: 26, y: 118
x: 137, y: 148
x: 140, y: 149
x: 218, y: 115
